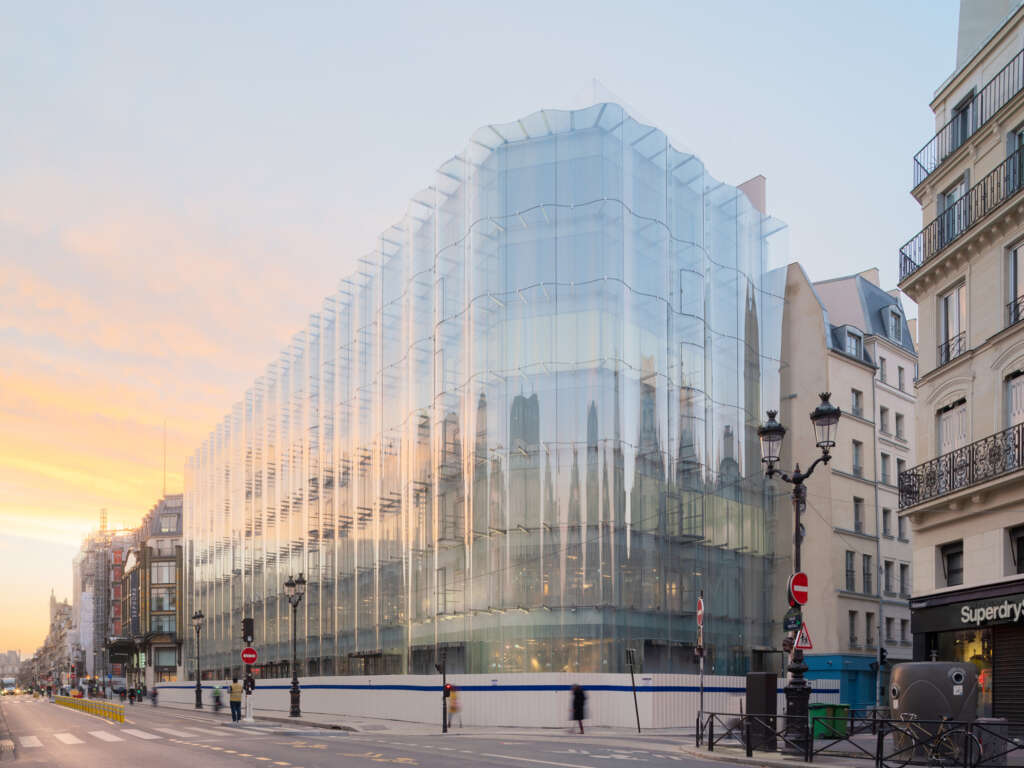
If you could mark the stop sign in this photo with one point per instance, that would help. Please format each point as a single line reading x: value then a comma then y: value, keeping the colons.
x: 798, y: 588
x: 249, y: 655
x: 700, y: 611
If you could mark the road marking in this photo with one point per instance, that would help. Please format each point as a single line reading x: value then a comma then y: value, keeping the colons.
x: 68, y: 738
x: 31, y: 741
x: 105, y: 736
x: 541, y: 762
x: 280, y: 763
x: 249, y: 729
x: 173, y: 732
x: 140, y: 734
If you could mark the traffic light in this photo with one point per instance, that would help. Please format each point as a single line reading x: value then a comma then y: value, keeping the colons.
x: 447, y: 690
x: 247, y: 630
x: 883, y: 655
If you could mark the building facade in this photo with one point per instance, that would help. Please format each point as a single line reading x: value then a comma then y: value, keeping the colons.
x: 966, y: 501
x: 849, y: 337
x: 523, y: 432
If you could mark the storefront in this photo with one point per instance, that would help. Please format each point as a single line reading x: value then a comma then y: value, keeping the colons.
x: 983, y: 625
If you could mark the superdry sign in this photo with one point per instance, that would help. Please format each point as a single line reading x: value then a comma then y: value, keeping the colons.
x: 1004, y: 611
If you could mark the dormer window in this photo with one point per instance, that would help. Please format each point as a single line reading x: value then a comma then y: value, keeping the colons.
x: 854, y: 344
x: 896, y: 326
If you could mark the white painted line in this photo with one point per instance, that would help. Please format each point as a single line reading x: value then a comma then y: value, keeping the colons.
x: 172, y: 732
x: 68, y: 738
x: 248, y: 729
x: 105, y: 736
x: 541, y: 762
x: 31, y: 741
x: 139, y: 734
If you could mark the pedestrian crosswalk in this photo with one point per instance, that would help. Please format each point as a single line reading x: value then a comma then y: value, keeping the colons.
x: 128, y: 734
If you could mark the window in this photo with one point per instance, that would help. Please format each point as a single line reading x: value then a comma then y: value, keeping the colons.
x: 1017, y: 548
x: 1013, y: 396
x: 883, y: 419
x: 952, y: 555
x: 164, y: 623
x: 886, y: 521
x: 858, y: 514
x: 166, y: 657
x: 1015, y: 284
x: 953, y: 211
x: 852, y: 616
x: 961, y: 123
x: 886, y: 478
x: 901, y: 466
x: 867, y: 574
x: 168, y: 523
x: 953, y: 324
x: 899, y: 377
x: 895, y: 326
x: 888, y: 575
x: 853, y: 344
x: 881, y: 369
x: 162, y: 599
x: 904, y: 630
x: 951, y: 425
x: 899, y: 426
x: 890, y: 626
x: 901, y: 528
x: 869, y: 629
x: 163, y: 573
x: 857, y: 400
x: 858, y: 455
x: 851, y: 574
x: 904, y: 580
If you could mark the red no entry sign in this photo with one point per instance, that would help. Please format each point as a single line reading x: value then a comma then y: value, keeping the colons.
x: 700, y: 611
x: 798, y: 588
x: 249, y: 655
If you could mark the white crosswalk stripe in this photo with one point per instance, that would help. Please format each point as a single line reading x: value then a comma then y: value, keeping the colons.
x: 140, y: 734
x: 68, y: 738
x: 105, y: 736
x: 31, y: 741
x: 172, y: 732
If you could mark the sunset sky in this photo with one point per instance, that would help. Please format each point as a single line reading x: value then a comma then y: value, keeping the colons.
x: 180, y: 185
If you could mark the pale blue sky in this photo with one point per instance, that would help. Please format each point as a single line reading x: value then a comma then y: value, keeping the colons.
x: 181, y: 183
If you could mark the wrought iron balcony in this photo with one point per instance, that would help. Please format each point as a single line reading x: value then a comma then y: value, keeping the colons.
x: 974, y: 463
x: 983, y: 198
x: 951, y: 349
x: 1006, y: 84
x: 1015, y: 311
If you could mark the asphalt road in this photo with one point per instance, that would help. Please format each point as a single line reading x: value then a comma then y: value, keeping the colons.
x: 49, y: 735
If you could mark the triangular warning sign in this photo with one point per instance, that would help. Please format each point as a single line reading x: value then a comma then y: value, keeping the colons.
x: 803, y: 639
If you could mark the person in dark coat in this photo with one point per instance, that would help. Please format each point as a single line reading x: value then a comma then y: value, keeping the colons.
x: 579, y: 705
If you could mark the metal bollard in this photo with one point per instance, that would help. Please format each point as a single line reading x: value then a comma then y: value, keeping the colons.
x: 880, y: 747
x: 711, y: 733
x: 746, y: 737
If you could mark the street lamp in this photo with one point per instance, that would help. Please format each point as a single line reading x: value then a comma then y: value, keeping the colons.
x: 197, y: 622
x: 825, y: 419
x: 295, y: 589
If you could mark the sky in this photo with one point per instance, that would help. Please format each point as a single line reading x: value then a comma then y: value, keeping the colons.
x: 182, y: 183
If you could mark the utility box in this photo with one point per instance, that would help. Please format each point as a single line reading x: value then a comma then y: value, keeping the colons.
x: 762, y: 703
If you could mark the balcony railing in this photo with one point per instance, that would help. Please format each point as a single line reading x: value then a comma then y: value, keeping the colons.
x: 951, y: 349
x: 974, y: 463
x: 983, y: 198
x: 1015, y: 311
x: 1006, y: 84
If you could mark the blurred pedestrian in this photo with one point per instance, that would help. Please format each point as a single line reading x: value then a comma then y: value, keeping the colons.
x: 235, y: 700
x: 454, y: 708
x: 579, y: 705
x: 131, y: 695
x: 152, y: 696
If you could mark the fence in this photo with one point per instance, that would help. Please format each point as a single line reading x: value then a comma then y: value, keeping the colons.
x: 107, y: 709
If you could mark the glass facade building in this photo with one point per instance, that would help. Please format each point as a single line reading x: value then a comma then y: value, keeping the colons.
x: 522, y: 431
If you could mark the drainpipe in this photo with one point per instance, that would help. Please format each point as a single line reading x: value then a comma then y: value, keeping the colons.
x: 879, y: 571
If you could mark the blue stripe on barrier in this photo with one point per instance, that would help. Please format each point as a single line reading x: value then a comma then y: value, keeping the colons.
x: 502, y: 688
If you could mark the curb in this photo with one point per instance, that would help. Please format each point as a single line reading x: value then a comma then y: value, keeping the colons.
x: 306, y: 723
x: 759, y: 758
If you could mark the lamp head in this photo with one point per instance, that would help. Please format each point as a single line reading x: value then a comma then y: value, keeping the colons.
x: 289, y: 587
x: 825, y: 419
x: 771, y: 434
x: 300, y: 585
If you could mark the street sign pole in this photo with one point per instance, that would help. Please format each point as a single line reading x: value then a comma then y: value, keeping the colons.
x: 631, y: 660
x: 700, y: 646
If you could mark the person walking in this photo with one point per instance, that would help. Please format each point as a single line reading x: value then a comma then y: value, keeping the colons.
x: 579, y: 705
x: 131, y: 696
x: 454, y: 708
x: 236, y: 700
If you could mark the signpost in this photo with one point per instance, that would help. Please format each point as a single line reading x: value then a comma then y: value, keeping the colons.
x: 249, y: 655
x: 798, y: 587
x: 803, y: 639
x: 792, y: 620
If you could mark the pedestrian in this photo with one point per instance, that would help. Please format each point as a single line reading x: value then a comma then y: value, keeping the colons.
x: 453, y: 707
x: 236, y: 700
x: 216, y: 698
x: 579, y: 705
x: 153, y: 696
x: 131, y: 696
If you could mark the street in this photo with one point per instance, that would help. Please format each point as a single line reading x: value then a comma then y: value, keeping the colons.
x: 50, y: 735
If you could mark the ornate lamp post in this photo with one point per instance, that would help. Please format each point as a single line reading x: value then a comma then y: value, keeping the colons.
x: 825, y: 419
x: 295, y: 589
x: 197, y: 622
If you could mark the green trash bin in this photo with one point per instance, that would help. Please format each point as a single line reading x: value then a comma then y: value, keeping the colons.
x: 840, y: 719
x: 821, y: 719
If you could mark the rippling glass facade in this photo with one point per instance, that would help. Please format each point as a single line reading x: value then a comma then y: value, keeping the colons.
x: 522, y: 431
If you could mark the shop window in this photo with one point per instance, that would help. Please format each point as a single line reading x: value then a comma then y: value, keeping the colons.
x: 952, y: 557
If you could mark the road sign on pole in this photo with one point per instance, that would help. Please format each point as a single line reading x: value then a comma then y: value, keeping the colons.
x: 798, y: 586
x: 803, y: 639
x: 700, y: 611
x: 249, y: 655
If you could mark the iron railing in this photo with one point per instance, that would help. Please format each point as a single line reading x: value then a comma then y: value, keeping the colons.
x: 963, y: 467
x: 952, y: 348
x: 983, y: 198
x: 1015, y: 311
x: 1006, y: 84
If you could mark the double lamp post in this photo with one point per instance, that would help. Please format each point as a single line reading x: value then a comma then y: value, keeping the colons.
x: 825, y: 419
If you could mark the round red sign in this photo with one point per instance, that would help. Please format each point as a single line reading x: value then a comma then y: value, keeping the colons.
x: 249, y: 655
x: 798, y: 588
x: 700, y: 611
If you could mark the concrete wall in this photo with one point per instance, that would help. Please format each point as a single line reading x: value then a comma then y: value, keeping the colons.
x: 542, y: 700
